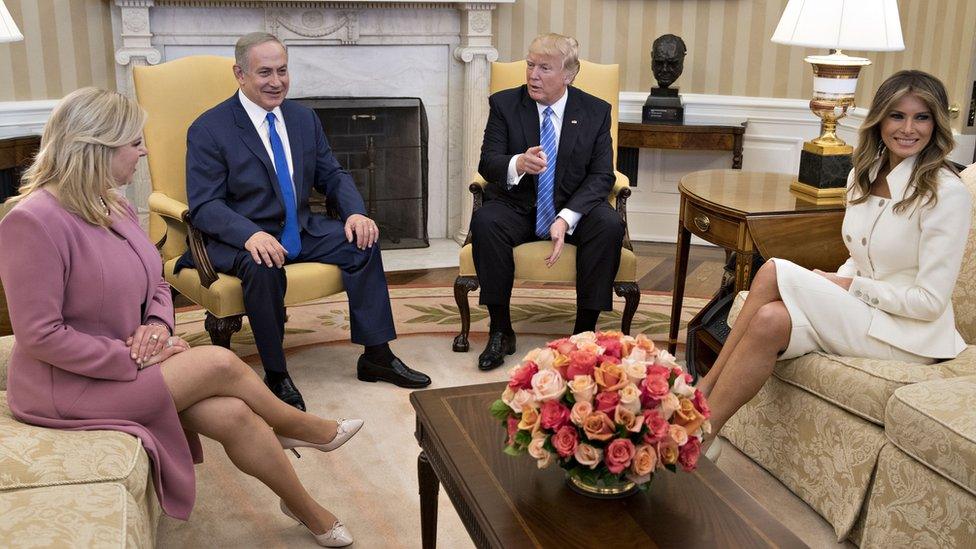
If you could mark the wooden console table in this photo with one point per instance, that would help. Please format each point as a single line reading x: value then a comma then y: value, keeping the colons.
x: 632, y: 136
x: 749, y: 213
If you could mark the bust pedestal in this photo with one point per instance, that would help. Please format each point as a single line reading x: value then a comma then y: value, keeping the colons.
x: 663, y: 106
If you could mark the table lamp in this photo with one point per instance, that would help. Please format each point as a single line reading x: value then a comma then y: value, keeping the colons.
x: 8, y: 29
x: 864, y: 25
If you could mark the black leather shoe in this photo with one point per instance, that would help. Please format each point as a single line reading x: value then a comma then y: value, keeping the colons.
x: 499, y: 345
x: 286, y: 391
x: 396, y: 372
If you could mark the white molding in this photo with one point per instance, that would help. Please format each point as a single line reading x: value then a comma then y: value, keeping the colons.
x: 20, y: 118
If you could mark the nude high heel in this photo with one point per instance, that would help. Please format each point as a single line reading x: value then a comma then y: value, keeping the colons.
x: 345, y: 430
x: 337, y: 536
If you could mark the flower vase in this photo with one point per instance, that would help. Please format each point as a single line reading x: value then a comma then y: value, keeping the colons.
x: 603, y: 489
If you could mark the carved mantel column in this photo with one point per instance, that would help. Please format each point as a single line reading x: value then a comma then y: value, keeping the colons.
x: 134, y: 48
x: 476, y: 52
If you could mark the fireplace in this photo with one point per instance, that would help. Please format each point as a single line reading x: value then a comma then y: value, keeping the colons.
x: 382, y: 142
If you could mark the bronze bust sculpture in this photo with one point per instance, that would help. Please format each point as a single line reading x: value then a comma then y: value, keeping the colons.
x: 663, y: 106
x: 667, y: 59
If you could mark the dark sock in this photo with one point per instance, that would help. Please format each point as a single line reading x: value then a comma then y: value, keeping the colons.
x: 586, y: 320
x: 379, y: 354
x: 274, y: 377
x: 501, y: 319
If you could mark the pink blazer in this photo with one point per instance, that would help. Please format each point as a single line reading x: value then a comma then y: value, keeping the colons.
x: 73, y: 302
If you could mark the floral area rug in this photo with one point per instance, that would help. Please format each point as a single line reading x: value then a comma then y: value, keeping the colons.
x: 425, y: 310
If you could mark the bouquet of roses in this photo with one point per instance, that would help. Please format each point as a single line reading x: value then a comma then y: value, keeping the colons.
x: 607, y: 407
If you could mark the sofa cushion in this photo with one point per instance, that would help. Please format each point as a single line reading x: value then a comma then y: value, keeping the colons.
x: 6, y: 346
x: 33, y: 456
x: 935, y: 422
x: 81, y: 515
x: 863, y: 386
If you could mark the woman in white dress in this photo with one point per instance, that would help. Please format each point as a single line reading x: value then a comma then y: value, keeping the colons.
x: 906, y: 224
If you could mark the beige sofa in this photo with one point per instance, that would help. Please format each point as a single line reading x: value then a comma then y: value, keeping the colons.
x: 71, y: 488
x: 885, y: 451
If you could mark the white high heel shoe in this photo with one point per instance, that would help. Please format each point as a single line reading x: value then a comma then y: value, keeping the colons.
x: 338, y: 536
x: 345, y: 430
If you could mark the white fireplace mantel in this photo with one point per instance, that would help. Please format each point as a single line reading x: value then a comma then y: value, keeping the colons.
x: 438, y: 50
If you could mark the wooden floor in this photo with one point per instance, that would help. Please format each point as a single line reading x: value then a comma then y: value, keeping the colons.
x: 655, y: 270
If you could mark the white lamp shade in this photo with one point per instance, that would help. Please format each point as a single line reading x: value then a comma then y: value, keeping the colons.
x: 864, y: 25
x: 8, y: 29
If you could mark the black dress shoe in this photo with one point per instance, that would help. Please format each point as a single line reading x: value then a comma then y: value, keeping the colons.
x: 499, y: 345
x: 396, y: 372
x: 286, y: 391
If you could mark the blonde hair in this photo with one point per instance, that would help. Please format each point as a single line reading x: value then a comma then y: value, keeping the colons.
x: 871, y: 151
x: 565, y: 47
x: 76, y: 151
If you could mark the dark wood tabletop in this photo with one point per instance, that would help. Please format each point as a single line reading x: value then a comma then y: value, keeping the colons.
x: 507, y: 502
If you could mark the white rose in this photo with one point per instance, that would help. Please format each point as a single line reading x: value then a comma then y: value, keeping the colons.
x: 637, y: 355
x: 579, y: 412
x: 583, y: 337
x: 588, y: 455
x: 665, y: 358
x: 681, y: 388
x: 548, y: 385
x: 583, y: 388
x: 521, y: 399
x: 669, y: 405
x: 546, y: 461
x: 630, y: 398
x: 536, y: 447
x: 636, y: 370
x: 545, y: 358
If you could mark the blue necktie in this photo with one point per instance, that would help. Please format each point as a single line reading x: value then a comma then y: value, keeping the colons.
x: 545, y: 212
x: 290, y: 238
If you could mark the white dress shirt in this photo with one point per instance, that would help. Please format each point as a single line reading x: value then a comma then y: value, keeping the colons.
x: 258, y: 117
x: 558, y: 109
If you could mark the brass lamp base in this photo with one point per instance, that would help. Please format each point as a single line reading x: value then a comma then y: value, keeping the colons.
x: 820, y: 197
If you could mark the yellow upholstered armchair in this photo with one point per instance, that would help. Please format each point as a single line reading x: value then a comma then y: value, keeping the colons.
x: 601, y: 81
x: 174, y: 94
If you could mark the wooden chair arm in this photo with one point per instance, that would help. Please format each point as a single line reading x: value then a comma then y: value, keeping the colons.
x: 177, y: 216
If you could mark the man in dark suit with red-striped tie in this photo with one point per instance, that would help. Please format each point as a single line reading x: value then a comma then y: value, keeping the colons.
x: 548, y: 159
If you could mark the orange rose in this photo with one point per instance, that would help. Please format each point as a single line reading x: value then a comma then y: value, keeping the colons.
x: 598, y: 426
x: 631, y: 421
x: 530, y: 419
x: 610, y: 377
x: 668, y: 452
x: 688, y: 416
x: 645, y: 459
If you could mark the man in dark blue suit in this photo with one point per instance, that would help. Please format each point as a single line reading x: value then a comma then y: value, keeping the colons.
x: 251, y: 163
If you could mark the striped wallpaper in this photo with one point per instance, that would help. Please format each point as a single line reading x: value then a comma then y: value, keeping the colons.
x: 729, y: 52
x: 67, y: 45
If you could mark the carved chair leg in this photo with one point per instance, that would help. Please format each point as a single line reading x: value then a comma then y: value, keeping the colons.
x: 463, y: 285
x: 220, y: 329
x: 631, y: 294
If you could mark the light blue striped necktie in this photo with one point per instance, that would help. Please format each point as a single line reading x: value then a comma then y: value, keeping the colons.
x: 290, y: 238
x: 545, y: 212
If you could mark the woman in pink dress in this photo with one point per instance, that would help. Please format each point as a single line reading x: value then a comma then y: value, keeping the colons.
x: 93, y: 321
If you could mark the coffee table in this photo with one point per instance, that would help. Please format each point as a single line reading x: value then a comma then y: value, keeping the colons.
x: 507, y: 502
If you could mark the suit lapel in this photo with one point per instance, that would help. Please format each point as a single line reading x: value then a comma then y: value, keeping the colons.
x: 529, y: 113
x: 253, y: 142
x: 291, y: 120
x: 570, y: 130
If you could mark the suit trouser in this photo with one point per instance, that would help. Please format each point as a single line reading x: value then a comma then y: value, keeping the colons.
x: 370, y: 315
x: 497, y: 228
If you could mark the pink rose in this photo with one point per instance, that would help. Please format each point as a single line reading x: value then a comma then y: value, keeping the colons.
x: 581, y: 363
x: 521, y: 377
x: 655, y: 387
x: 565, y: 441
x: 659, y: 371
x: 701, y: 403
x: 606, y: 402
x: 554, y: 415
x: 512, y: 425
x: 611, y: 346
x: 618, y: 455
x: 689, y: 453
x: 562, y: 346
x: 657, y: 427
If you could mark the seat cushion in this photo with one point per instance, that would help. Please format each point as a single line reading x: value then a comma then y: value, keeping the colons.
x: 863, y: 386
x: 529, y: 264
x: 306, y: 281
x: 37, y: 456
x: 82, y: 515
x: 935, y: 422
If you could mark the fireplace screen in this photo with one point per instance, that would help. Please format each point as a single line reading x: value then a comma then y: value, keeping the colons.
x: 382, y: 142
